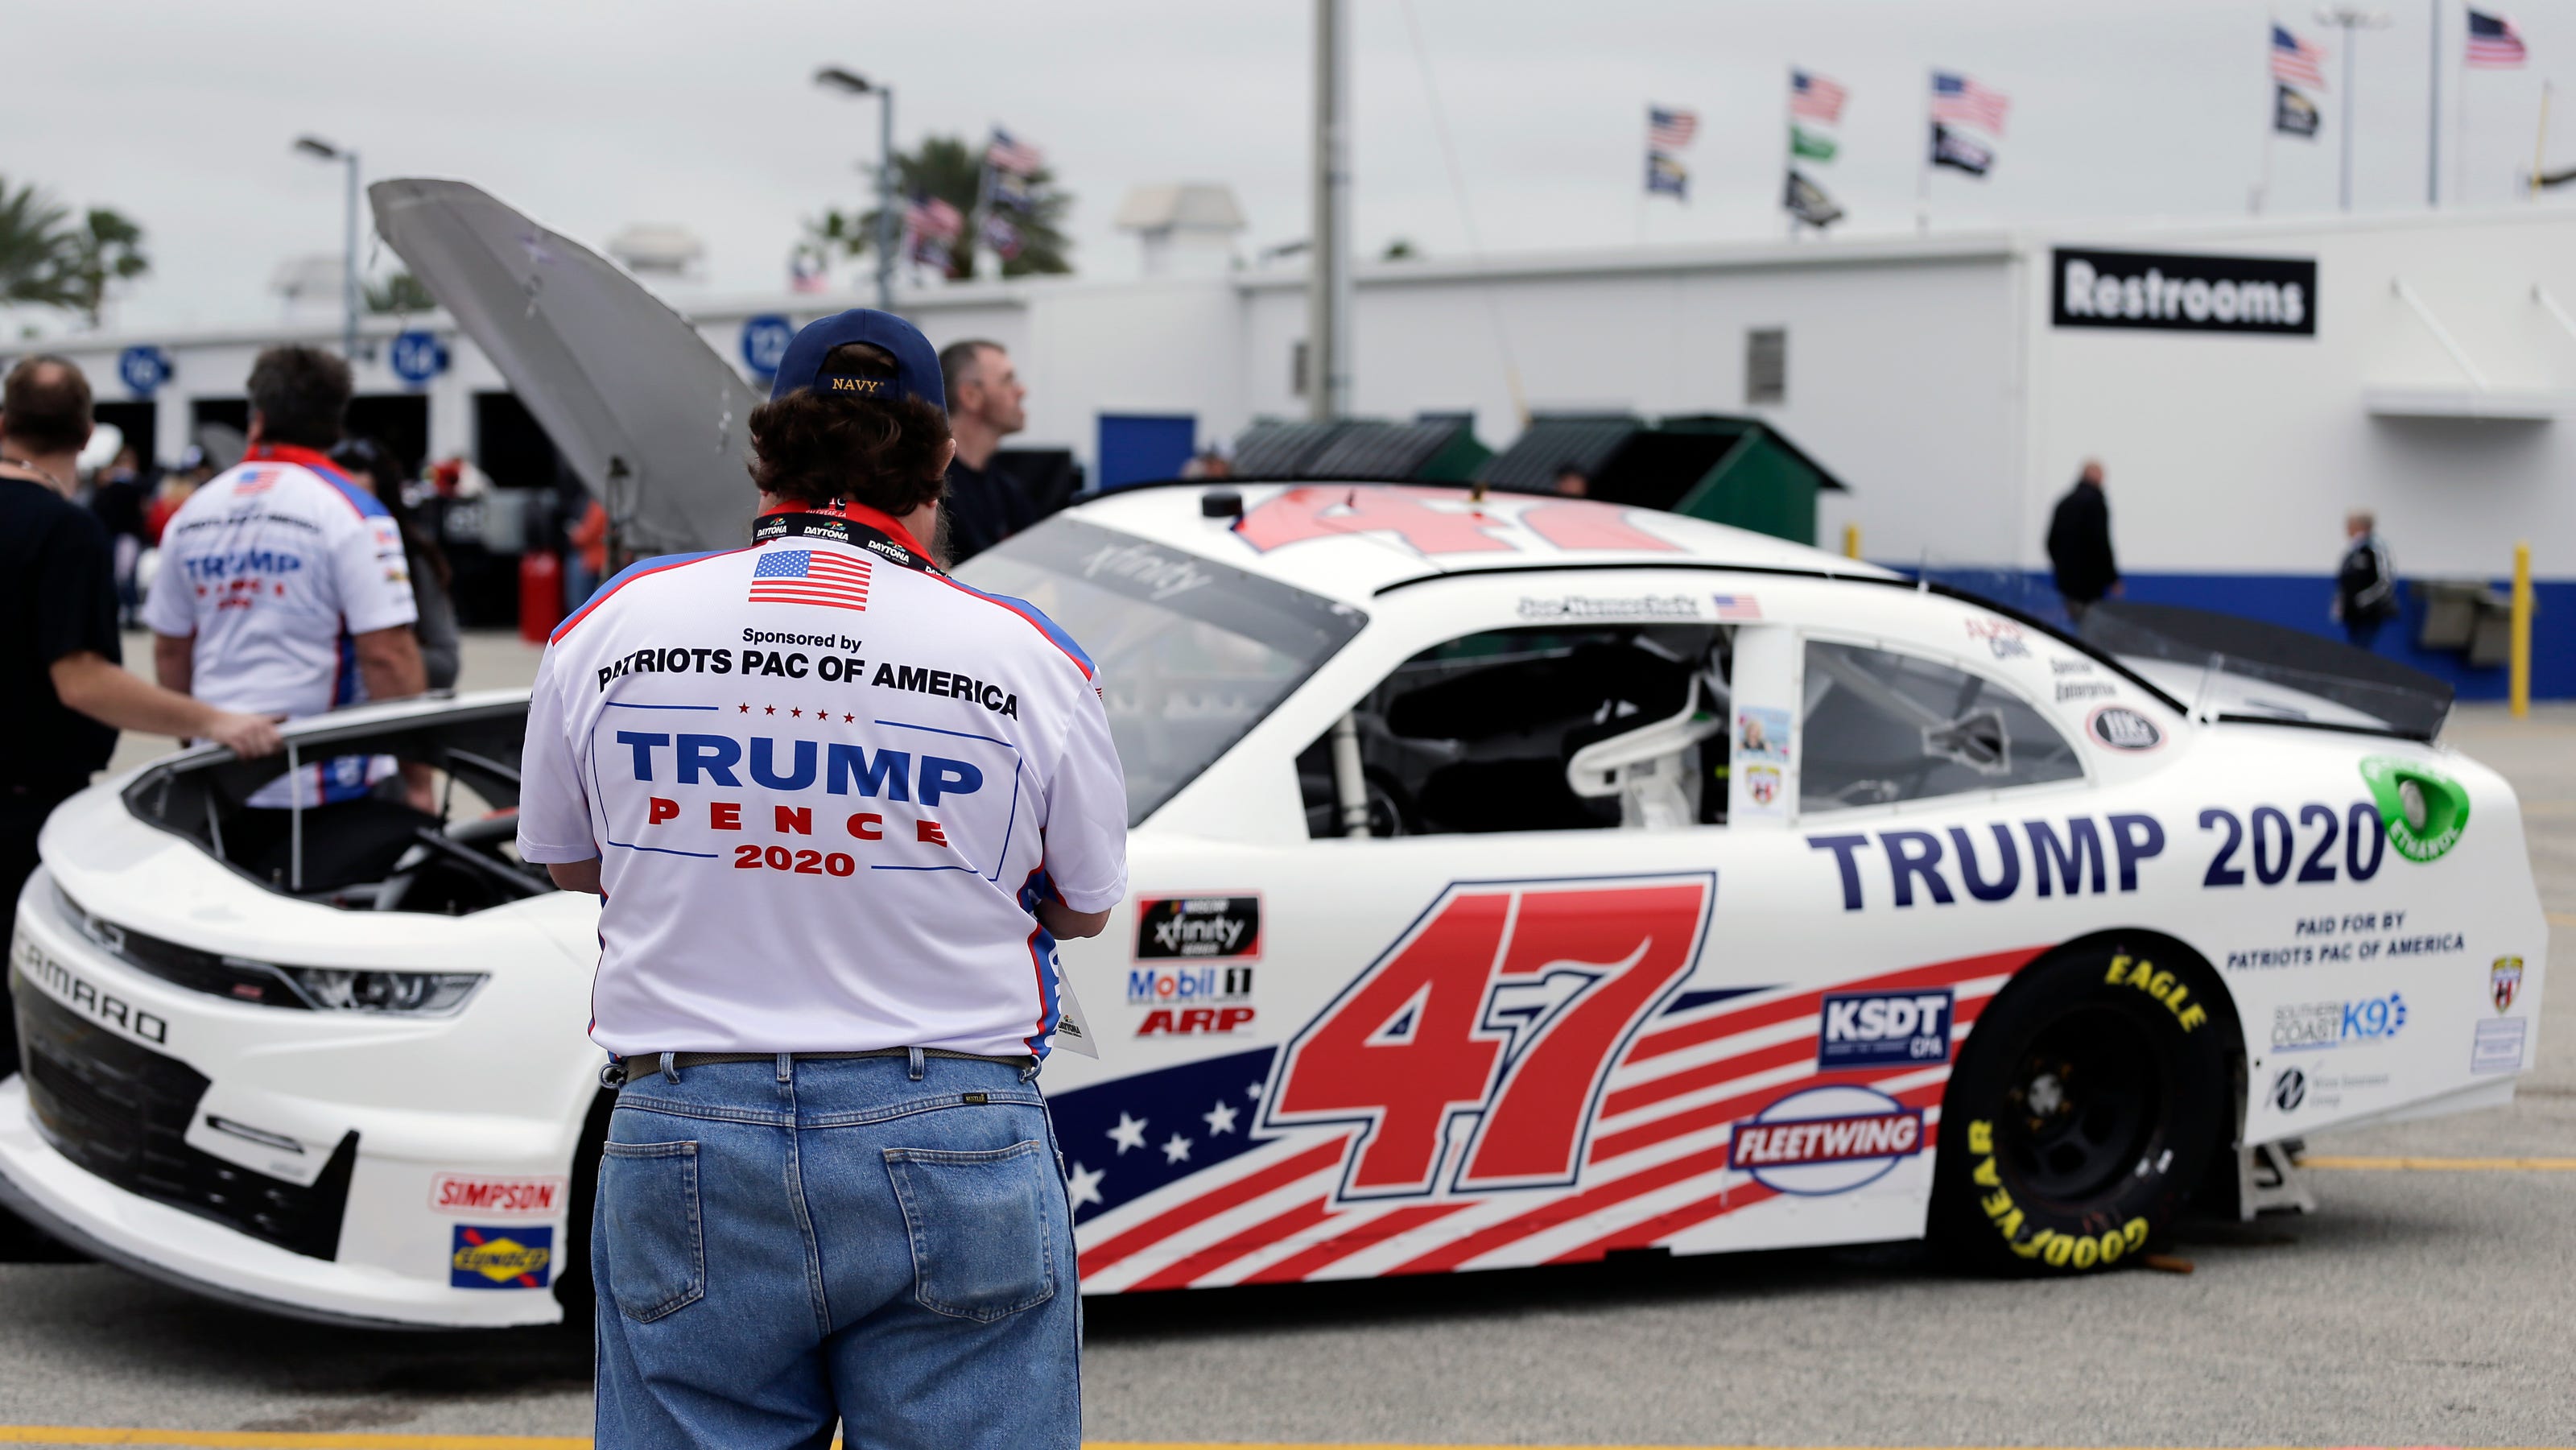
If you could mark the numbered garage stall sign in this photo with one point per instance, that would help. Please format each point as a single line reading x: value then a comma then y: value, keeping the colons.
x: 764, y: 342
x: 417, y: 357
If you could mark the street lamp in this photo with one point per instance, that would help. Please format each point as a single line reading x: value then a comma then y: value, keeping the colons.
x: 2351, y: 20
x: 851, y: 83
x: 321, y: 150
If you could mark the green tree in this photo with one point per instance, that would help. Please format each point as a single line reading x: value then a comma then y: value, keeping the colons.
x: 949, y: 168
x: 33, y: 244
x: 106, y: 251
x: 401, y: 292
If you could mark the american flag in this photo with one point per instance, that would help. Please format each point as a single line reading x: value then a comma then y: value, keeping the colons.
x: 806, y: 272
x: 1002, y: 237
x: 931, y: 217
x: 1737, y: 606
x: 2295, y: 62
x: 810, y: 576
x: 1957, y: 98
x: 1018, y: 158
x: 1815, y: 97
x: 1669, y: 128
x: 2493, y: 43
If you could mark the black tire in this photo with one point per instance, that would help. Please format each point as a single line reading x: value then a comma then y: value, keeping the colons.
x: 2085, y: 1108
x: 573, y: 1284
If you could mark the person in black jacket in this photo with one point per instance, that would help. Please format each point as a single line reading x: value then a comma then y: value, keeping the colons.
x: 2079, y: 544
x: 2365, y: 582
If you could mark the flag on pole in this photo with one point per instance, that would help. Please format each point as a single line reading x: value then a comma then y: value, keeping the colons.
x: 2295, y: 62
x: 1951, y: 149
x: 1811, y: 145
x: 1009, y: 191
x: 2493, y: 43
x: 1808, y: 203
x: 1002, y: 237
x: 806, y: 272
x: 1669, y: 128
x: 1957, y: 99
x: 1664, y: 173
x: 1815, y: 98
x: 2294, y: 114
x: 930, y: 217
x: 1016, y: 157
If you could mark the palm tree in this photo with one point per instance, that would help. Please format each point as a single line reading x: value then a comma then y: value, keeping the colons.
x: 947, y: 168
x: 108, y: 249
x: 33, y: 243
x: 401, y: 292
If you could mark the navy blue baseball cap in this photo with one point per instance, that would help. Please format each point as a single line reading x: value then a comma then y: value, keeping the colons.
x: 916, y: 362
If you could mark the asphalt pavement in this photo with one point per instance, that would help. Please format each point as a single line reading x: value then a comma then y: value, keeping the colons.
x: 2421, y: 1305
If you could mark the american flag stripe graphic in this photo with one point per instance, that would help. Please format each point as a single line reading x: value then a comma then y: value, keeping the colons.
x: 2493, y: 43
x: 810, y: 576
x: 1656, y: 1167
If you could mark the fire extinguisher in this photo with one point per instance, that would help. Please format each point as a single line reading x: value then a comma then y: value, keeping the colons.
x: 540, y: 594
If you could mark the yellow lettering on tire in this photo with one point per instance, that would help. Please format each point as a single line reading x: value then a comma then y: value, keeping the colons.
x: 2060, y: 1249
x: 1981, y: 1137
x: 1997, y: 1203
x: 1984, y: 1174
x: 2135, y: 1231
x: 2087, y: 1253
x: 2119, y: 973
x: 2112, y: 1246
x: 2192, y: 1017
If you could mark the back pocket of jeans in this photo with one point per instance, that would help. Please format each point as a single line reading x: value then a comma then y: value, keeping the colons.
x: 983, y: 1238
x: 648, y: 1204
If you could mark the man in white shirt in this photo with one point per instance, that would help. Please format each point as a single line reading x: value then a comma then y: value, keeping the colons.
x: 282, y: 587
x: 841, y: 807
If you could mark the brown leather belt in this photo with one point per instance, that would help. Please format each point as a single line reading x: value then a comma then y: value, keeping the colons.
x: 644, y: 1066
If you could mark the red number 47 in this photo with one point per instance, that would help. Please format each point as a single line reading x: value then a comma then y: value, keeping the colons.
x: 1507, y: 1003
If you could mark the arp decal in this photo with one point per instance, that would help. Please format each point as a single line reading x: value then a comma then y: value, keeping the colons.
x: 481, y: 1197
x: 2423, y: 810
x: 2504, y: 983
x: 486, y: 1257
x: 1883, y: 1029
x: 1826, y: 1140
x: 1198, y: 926
x: 1194, y: 1021
x: 1474, y: 1051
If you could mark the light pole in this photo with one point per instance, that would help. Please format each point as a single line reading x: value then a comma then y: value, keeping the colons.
x: 2351, y: 20
x: 834, y: 78
x: 321, y: 150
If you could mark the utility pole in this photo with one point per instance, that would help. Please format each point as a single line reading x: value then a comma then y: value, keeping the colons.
x: 1328, y: 280
x: 2433, y: 114
x: 2351, y: 20
x: 889, y: 225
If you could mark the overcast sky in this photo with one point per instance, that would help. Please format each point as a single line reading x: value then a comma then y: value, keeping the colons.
x: 590, y: 116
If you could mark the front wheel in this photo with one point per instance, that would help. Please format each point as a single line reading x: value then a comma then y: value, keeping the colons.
x: 2086, y: 1105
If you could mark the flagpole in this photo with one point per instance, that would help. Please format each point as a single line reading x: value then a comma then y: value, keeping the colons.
x: 2540, y: 143
x: 1789, y: 156
x: 2460, y: 135
x: 1923, y: 179
x: 2272, y: 121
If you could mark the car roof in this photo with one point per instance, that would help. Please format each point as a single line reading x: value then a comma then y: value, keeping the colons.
x: 1351, y: 541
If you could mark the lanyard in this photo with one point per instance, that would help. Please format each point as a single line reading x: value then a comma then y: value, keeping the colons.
x: 840, y: 529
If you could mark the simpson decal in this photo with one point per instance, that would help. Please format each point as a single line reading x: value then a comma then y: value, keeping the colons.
x: 479, y: 1197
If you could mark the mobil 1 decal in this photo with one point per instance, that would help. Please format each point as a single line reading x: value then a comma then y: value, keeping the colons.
x: 2178, y: 292
x: 1471, y: 1056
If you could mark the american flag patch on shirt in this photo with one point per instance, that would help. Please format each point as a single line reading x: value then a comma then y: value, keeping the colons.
x: 810, y: 576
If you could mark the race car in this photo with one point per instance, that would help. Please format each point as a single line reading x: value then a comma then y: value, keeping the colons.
x: 1515, y: 880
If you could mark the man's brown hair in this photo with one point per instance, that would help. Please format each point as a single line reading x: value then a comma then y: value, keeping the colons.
x: 45, y: 406
x: 961, y: 360
x: 884, y: 452
x: 301, y: 394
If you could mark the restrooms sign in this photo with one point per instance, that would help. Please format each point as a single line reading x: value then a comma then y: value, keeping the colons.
x: 2171, y: 292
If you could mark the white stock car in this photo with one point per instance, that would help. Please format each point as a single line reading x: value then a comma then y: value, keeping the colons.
x: 1515, y: 880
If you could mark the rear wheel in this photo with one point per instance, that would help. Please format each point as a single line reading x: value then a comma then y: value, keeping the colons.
x: 2085, y: 1107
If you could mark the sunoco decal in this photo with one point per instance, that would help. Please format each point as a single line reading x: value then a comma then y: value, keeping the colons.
x: 500, y: 1258
x: 2170, y: 292
x: 2424, y: 811
x: 1198, y: 927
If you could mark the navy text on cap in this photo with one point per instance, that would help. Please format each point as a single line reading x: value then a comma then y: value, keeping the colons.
x: 916, y: 363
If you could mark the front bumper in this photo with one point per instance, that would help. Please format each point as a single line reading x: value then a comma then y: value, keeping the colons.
x: 124, y: 1135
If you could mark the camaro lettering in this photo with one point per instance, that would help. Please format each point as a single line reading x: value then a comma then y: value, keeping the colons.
x: 78, y: 993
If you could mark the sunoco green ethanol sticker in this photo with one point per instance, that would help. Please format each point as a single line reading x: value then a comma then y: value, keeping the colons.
x: 2423, y: 810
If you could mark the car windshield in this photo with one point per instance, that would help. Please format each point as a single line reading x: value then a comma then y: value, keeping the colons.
x: 1191, y: 653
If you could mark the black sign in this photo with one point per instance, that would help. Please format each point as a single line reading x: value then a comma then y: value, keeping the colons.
x: 1198, y: 927
x: 2173, y: 293
x: 2122, y: 728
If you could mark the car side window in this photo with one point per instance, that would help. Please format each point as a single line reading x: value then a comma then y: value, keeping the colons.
x: 1481, y: 733
x: 1882, y: 727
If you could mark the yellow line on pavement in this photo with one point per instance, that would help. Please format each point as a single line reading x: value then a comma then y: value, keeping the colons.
x: 2561, y: 918
x: 327, y: 1440
x: 2442, y: 1165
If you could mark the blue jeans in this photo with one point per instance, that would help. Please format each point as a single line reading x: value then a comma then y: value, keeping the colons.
x: 881, y: 1243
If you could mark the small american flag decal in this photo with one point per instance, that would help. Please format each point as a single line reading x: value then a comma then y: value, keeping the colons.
x: 810, y: 576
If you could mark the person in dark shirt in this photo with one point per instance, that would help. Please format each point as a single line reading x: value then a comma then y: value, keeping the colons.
x: 2365, y: 582
x: 118, y: 501
x: 2079, y: 544
x: 984, y: 394
x: 373, y: 467
x: 60, y: 661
